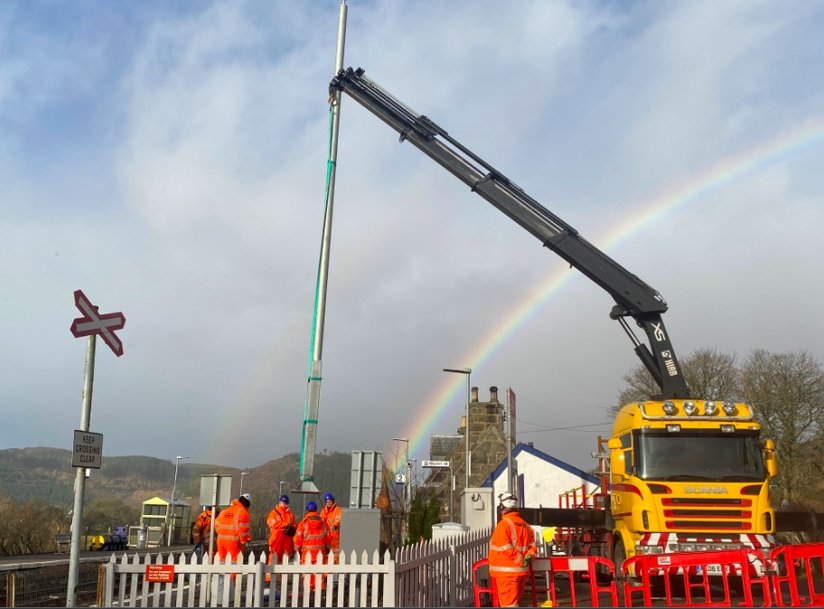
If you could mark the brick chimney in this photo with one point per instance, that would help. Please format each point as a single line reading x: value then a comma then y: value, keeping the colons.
x: 474, y: 394
x: 493, y: 394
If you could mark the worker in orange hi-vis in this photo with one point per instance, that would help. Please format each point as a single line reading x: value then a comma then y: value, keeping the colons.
x: 233, y: 530
x: 282, y: 527
x: 201, y: 532
x: 312, y: 541
x: 331, y: 513
x: 511, y: 549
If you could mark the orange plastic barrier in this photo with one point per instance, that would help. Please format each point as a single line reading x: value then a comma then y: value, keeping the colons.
x: 543, y: 579
x: 485, y: 595
x: 798, y: 580
x: 696, y: 577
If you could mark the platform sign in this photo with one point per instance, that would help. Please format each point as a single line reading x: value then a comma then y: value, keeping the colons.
x: 87, y: 450
x: 435, y: 464
x: 216, y: 490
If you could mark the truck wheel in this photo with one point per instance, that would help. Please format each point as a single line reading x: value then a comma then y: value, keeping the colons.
x: 619, y: 555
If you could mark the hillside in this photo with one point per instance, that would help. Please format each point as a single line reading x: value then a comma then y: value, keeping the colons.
x: 46, y: 474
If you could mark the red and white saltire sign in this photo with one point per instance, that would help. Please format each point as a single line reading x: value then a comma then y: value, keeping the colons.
x: 93, y: 322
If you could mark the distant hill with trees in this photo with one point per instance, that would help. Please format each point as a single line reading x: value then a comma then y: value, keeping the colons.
x: 39, y: 482
x: 46, y: 474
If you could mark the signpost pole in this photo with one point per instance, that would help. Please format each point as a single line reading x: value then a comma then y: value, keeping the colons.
x: 87, y: 453
x: 80, y: 477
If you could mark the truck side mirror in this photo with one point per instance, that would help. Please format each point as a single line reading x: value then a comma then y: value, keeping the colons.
x: 769, y: 458
x: 616, y: 456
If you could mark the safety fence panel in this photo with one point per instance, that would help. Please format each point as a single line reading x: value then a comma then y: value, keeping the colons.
x: 484, y: 592
x: 699, y: 579
x: 557, y: 575
x: 798, y: 580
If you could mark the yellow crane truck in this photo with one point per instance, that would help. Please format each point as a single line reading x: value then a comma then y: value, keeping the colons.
x: 684, y: 473
x: 688, y: 475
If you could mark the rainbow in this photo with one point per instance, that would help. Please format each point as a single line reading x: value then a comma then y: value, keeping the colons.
x: 678, y: 195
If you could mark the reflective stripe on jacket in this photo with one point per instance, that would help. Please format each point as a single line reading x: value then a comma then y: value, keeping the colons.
x: 512, y: 540
x: 278, y: 519
x: 233, y: 524
x: 202, y: 526
x: 313, y: 534
x: 332, y: 518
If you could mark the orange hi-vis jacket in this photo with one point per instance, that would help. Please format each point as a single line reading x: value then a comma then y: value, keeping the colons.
x: 332, y: 518
x: 233, y: 529
x: 312, y: 537
x: 512, y: 541
x: 278, y: 520
x: 203, y: 525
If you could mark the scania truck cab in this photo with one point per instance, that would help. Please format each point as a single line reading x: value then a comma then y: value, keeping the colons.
x: 689, y: 475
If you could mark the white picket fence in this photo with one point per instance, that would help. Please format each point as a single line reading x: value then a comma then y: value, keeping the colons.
x: 427, y: 574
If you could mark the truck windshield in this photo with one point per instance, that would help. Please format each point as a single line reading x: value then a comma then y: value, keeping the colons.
x: 699, y: 456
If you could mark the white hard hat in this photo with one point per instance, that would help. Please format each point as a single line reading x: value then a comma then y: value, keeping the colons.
x: 247, y: 497
x: 508, y: 500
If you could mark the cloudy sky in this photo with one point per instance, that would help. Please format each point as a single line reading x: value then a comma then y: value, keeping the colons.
x: 169, y: 159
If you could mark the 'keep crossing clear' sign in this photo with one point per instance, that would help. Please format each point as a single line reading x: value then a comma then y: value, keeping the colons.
x: 87, y: 450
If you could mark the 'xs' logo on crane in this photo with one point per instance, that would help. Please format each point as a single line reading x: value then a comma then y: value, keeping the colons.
x: 658, y: 332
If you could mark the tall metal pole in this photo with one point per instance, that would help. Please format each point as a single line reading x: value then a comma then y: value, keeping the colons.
x: 241, y: 482
x: 173, y: 504
x: 510, y: 442
x: 310, y: 421
x: 406, y: 498
x: 80, y: 476
x: 468, y: 456
x: 468, y: 449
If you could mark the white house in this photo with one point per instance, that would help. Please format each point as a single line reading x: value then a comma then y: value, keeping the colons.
x: 541, y: 478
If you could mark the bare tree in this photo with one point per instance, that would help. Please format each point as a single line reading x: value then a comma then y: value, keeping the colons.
x: 787, y: 392
x: 709, y: 374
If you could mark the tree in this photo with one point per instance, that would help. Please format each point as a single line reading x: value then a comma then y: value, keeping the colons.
x: 102, y: 514
x: 423, y: 513
x: 28, y: 528
x: 787, y: 392
x: 709, y: 374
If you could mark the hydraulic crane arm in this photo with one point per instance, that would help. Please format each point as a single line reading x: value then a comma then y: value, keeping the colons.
x: 633, y: 297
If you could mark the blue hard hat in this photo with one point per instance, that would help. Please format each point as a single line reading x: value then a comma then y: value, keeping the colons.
x: 328, y: 497
x: 284, y: 499
x: 311, y: 506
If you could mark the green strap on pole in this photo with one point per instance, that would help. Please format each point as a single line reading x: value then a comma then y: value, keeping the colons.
x: 330, y: 163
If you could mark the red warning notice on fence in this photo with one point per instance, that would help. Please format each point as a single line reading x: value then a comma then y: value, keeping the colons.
x: 160, y: 574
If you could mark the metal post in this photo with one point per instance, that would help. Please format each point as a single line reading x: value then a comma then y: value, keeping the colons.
x: 310, y: 421
x: 510, y: 442
x: 173, y: 504
x: 241, y: 482
x: 280, y: 488
x: 468, y: 457
x: 80, y: 477
x: 451, y: 492
x: 406, y: 497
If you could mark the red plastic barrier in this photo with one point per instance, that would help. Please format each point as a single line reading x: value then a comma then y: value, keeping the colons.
x: 699, y: 574
x: 479, y: 589
x: 799, y: 577
x: 544, y: 571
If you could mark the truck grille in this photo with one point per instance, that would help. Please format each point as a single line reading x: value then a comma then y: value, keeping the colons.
x: 702, y: 513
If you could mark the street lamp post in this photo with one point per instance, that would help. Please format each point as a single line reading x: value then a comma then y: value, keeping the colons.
x: 241, y: 481
x: 407, y: 500
x: 173, y: 505
x: 280, y: 488
x: 468, y: 373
